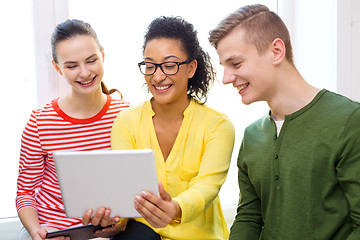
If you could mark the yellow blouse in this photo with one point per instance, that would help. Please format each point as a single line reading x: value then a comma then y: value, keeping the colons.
x: 195, y: 169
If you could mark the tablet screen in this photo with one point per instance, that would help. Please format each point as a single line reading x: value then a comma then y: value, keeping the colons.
x: 120, y: 175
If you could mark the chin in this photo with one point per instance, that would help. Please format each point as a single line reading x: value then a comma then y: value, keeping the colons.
x: 246, y: 101
x: 161, y: 100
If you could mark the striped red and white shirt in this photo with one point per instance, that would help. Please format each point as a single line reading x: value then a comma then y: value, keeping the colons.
x: 48, y: 130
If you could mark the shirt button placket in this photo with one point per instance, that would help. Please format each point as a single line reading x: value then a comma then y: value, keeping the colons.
x: 277, y: 177
x: 276, y: 174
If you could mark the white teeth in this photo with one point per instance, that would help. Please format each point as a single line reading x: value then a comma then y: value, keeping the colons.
x: 86, y: 82
x: 242, y: 86
x: 162, y: 87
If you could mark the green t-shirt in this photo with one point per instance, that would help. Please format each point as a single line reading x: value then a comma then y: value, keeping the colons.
x: 305, y: 183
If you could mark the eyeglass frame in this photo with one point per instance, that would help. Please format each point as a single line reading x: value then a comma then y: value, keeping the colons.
x: 160, y: 66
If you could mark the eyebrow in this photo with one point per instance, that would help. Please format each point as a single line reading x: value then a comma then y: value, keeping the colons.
x: 74, y: 62
x: 165, y: 58
x: 233, y: 57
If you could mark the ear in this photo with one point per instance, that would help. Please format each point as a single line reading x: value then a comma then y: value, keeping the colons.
x: 278, y: 50
x: 103, y: 54
x: 57, y: 68
x: 192, y: 68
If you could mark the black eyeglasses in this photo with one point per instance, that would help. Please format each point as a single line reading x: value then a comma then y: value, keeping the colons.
x: 168, y: 68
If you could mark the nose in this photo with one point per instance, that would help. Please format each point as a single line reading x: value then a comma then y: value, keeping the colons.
x: 158, y: 75
x: 84, y: 71
x: 228, y: 77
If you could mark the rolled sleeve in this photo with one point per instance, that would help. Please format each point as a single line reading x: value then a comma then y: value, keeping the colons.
x: 204, y: 187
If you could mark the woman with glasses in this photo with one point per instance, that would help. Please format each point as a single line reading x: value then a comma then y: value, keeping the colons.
x: 192, y: 142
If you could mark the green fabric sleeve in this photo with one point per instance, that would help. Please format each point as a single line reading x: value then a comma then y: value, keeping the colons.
x: 348, y: 170
x: 248, y: 222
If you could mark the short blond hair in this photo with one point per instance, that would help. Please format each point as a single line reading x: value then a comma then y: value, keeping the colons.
x: 261, y: 25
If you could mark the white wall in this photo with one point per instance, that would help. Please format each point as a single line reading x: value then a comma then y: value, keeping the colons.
x: 348, y: 59
x: 49, y: 84
x: 312, y: 25
x: 355, y: 50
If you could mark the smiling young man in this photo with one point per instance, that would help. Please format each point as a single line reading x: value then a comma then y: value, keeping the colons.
x: 299, y: 165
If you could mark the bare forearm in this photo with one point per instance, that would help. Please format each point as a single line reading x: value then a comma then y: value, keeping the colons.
x: 30, y: 220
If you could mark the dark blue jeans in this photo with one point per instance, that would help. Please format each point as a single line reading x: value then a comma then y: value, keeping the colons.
x: 137, y: 231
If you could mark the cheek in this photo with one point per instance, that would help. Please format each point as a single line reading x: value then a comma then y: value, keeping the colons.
x: 68, y: 75
x: 99, y: 68
x: 249, y: 71
x: 181, y: 80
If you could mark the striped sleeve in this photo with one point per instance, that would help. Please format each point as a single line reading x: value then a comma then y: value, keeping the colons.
x: 31, y: 166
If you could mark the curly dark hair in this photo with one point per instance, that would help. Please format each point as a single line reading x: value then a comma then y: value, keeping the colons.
x: 183, y: 31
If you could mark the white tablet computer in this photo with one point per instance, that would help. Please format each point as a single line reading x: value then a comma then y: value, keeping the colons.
x: 105, y: 178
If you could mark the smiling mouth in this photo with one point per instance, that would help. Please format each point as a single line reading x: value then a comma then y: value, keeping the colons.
x: 87, y: 82
x: 242, y: 86
x: 163, y: 87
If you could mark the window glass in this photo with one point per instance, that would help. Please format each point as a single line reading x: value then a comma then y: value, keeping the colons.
x: 120, y: 27
x: 18, y: 96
